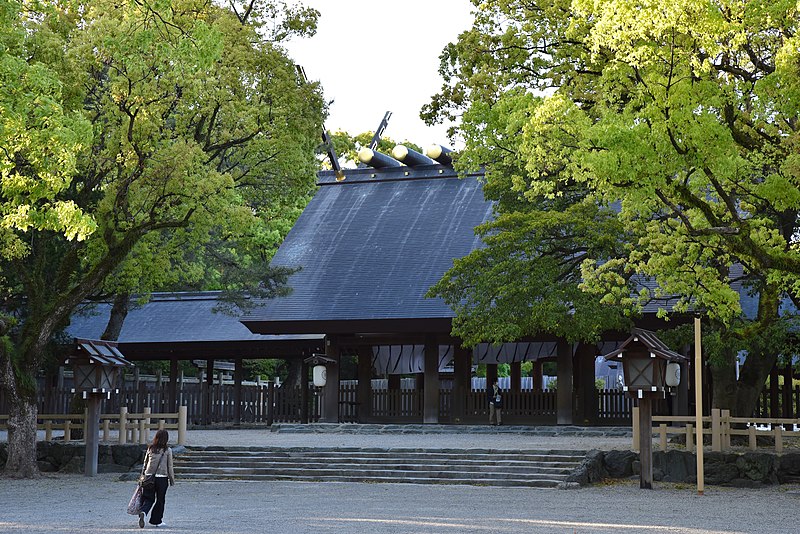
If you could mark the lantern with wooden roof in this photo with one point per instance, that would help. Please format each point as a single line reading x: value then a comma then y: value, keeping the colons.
x: 648, y: 365
x: 96, y: 365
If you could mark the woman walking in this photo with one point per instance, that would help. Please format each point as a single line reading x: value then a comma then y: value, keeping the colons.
x: 158, y: 462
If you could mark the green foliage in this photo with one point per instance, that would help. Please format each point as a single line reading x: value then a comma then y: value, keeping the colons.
x: 599, y: 383
x: 143, y: 146
x: 480, y: 370
x: 179, y: 133
x: 266, y: 369
x: 40, y: 142
x: 678, y: 126
x: 503, y: 369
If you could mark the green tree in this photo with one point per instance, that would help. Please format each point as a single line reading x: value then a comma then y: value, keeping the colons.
x: 139, y: 138
x: 676, y: 120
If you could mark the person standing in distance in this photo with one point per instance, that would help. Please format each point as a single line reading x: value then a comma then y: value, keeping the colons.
x: 495, y: 405
x: 157, y: 461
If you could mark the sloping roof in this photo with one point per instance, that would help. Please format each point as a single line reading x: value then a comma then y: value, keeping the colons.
x: 185, y: 324
x: 370, y: 247
x: 651, y: 341
x: 102, y: 352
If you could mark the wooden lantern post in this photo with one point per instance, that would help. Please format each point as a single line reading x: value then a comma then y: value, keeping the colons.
x: 96, y: 365
x: 645, y: 360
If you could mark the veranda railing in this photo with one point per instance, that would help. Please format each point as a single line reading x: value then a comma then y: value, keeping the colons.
x: 720, y: 426
x: 124, y: 427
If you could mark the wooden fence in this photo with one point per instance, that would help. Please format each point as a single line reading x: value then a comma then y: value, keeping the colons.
x: 720, y: 426
x: 123, y: 427
x: 779, y: 402
x: 265, y: 403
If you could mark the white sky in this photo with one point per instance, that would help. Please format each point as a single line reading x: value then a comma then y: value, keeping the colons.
x: 377, y: 56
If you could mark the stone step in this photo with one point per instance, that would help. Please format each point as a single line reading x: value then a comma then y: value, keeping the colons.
x: 510, y: 459
x: 525, y: 455
x: 533, y: 468
x: 351, y: 463
x: 363, y: 468
x: 527, y: 430
x: 543, y: 483
x: 381, y: 450
x: 421, y: 471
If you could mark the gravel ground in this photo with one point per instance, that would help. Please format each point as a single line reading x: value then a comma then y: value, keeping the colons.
x: 265, y: 438
x: 73, y: 503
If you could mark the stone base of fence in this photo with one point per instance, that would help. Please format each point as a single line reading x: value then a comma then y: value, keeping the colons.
x: 750, y: 469
x: 69, y: 457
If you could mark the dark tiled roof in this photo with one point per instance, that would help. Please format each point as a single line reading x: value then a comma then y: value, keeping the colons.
x: 176, y: 317
x: 168, y: 318
x: 370, y: 247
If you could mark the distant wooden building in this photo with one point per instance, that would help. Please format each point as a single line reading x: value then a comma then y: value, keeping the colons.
x: 190, y: 326
x: 368, y: 248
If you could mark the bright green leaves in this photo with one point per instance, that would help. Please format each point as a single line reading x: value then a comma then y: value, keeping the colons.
x: 681, y: 115
x: 157, y: 132
x: 526, y: 278
x: 40, y: 142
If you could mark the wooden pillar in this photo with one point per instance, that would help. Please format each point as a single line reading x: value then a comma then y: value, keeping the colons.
x: 430, y: 411
x: 137, y: 405
x: 271, y: 402
x: 91, y: 439
x: 680, y: 404
x: 516, y: 376
x: 564, y: 377
x: 173, y: 385
x: 773, y: 393
x: 330, y: 400
x: 491, y: 376
x: 462, y: 370
x: 645, y: 442
x: 238, y: 373
x: 364, y: 393
x: 537, y: 375
x: 209, y: 388
x: 393, y: 382
x: 419, y: 381
x: 787, y: 395
x: 587, y: 394
x: 304, y: 394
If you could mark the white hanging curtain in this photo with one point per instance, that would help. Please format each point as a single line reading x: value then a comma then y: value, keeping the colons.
x: 514, y: 352
x: 406, y: 359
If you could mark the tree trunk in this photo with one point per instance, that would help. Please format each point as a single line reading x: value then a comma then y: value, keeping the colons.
x: 723, y: 377
x: 752, y: 377
x: 295, y: 374
x: 22, y: 416
x: 740, y: 396
x: 119, y: 311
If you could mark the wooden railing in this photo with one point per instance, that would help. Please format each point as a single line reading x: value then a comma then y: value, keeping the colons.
x: 397, y: 404
x: 720, y: 426
x: 129, y: 427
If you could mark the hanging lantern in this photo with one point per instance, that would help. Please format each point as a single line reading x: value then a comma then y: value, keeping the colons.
x: 320, y: 375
